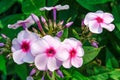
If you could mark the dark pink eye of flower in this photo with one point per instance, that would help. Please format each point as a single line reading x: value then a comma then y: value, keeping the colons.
x: 72, y: 53
x: 50, y: 52
x: 25, y: 46
x: 99, y: 20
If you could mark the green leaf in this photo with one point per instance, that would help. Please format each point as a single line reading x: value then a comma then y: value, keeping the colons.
x: 1, y: 26
x: 51, y: 2
x: 111, y: 61
x: 65, y: 34
x: 115, y: 74
x: 3, y: 64
x: 11, y: 20
x: 4, y: 5
x: 32, y: 6
x: 94, y: 5
x: 76, y: 35
x: 94, y: 1
x: 90, y: 53
x: 78, y: 76
x: 21, y: 71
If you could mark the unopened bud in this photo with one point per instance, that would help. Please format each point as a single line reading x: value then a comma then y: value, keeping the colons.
x: 68, y: 24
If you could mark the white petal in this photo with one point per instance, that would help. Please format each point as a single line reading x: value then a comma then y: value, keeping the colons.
x: 53, y: 64
x: 46, y: 8
x: 77, y: 62
x: 89, y: 17
x: 109, y: 27
x: 14, y: 26
x: 39, y: 47
x: 41, y: 62
x: 52, y: 41
x: 29, y: 58
x: 15, y: 45
x: 99, y: 13
x: 18, y: 57
x: 59, y: 7
x: 95, y: 27
x: 67, y: 63
x: 62, y: 55
x: 108, y: 18
x: 80, y: 51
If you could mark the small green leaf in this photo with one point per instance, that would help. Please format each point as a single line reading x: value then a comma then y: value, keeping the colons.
x: 1, y: 26
x: 90, y: 53
x: 21, y: 71
x: 76, y: 35
x: 65, y: 34
x: 3, y: 64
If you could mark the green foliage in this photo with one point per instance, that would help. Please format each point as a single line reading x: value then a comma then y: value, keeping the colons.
x: 32, y: 6
x: 4, y: 5
x: 3, y: 64
x: 90, y: 53
x: 21, y: 71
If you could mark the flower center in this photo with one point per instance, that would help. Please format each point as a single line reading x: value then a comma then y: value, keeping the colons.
x: 99, y: 20
x: 50, y: 52
x: 25, y: 46
x: 72, y: 53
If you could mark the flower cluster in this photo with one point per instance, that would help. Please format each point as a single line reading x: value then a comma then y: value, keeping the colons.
x: 48, y: 53
x: 45, y: 50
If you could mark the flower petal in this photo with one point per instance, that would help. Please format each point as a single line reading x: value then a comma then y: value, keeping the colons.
x: 41, y: 62
x: 108, y: 18
x: 39, y: 46
x: 67, y: 63
x: 109, y: 27
x: 62, y: 55
x: 95, y: 27
x: 77, y: 62
x: 46, y: 8
x: 90, y: 16
x: 15, y: 45
x: 18, y: 56
x: 80, y: 51
x: 59, y: 7
x: 29, y: 58
x: 52, y: 40
x: 53, y: 64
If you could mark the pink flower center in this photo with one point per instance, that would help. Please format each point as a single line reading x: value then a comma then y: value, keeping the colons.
x: 72, y: 53
x: 99, y: 20
x: 25, y: 46
x: 50, y: 52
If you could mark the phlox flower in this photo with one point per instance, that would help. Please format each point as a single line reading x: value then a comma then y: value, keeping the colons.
x: 98, y: 20
x: 45, y: 51
x: 73, y: 54
x: 21, y: 47
x: 25, y: 23
x: 55, y: 8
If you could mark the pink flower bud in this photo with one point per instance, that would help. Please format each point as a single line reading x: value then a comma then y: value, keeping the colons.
x: 33, y: 71
x: 2, y: 44
x: 68, y: 24
x: 43, y: 19
x: 59, y: 34
x: 60, y: 73
x: 4, y: 36
x: 94, y: 44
